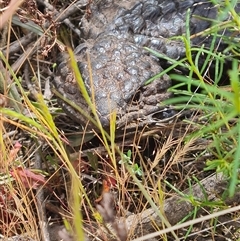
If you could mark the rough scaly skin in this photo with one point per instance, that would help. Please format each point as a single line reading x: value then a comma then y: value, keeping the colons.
x: 115, y: 34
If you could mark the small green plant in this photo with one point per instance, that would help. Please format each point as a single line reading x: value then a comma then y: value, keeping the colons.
x: 136, y: 169
x: 219, y: 105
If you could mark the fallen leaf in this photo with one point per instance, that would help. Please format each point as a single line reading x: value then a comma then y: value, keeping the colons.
x: 28, y: 178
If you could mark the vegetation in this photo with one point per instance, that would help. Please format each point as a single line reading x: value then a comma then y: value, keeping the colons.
x: 182, y: 175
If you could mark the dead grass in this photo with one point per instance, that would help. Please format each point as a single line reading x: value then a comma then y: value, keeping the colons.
x: 47, y: 181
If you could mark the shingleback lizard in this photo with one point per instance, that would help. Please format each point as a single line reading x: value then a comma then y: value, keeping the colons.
x: 115, y: 33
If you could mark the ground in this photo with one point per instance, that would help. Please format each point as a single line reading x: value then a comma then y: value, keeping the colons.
x: 58, y: 176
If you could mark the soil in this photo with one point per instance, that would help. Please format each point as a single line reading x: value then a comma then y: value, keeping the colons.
x: 171, y: 169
